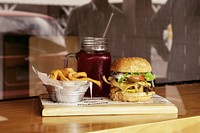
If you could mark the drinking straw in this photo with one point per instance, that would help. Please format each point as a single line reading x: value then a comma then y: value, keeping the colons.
x: 105, y: 32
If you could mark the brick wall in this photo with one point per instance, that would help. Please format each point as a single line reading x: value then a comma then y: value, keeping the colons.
x: 145, y: 30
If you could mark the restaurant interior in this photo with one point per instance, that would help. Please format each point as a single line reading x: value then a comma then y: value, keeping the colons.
x: 37, y: 34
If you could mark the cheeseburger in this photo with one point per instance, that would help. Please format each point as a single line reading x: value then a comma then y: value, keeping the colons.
x: 130, y: 80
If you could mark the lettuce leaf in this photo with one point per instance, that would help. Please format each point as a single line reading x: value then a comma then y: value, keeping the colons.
x: 148, y: 76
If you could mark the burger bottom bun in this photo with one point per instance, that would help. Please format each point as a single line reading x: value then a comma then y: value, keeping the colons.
x: 131, y: 97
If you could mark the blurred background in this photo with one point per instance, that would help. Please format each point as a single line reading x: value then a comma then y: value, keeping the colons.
x: 40, y: 34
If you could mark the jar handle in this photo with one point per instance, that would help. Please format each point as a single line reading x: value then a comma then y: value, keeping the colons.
x: 70, y: 55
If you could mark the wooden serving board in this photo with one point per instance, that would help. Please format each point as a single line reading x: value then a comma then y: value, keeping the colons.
x: 105, y: 106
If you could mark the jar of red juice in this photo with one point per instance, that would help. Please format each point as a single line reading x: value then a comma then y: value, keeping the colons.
x: 95, y: 60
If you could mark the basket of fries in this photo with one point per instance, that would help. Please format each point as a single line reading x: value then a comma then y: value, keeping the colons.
x: 66, y: 85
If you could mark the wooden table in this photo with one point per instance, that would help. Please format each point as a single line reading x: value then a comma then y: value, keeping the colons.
x: 24, y: 115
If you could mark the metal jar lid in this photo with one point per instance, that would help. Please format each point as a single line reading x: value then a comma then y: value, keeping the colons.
x: 94, y: 44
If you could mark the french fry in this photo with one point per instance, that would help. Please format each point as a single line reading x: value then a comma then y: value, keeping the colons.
x: 80, y: 75
x: 58, y: 75
x: 54, y: 74
x: 66, y: 71
x: 68, y: 74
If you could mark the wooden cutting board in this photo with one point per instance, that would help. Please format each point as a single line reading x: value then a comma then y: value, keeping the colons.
x: 104, y: 106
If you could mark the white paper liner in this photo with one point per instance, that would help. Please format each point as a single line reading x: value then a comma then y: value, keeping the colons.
x: 87, y: 101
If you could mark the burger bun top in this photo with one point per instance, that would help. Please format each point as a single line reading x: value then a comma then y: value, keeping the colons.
x: 131, y: 64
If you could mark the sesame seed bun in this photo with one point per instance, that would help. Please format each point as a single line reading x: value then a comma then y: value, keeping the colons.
x: 131, y: 64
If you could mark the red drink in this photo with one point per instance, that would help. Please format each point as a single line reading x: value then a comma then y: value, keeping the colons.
x: 95, y: 64
x: 95, y: 60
